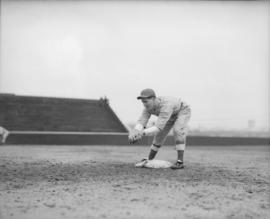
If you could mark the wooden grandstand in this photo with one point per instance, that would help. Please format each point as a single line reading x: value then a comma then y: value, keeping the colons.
x: 32, y: 119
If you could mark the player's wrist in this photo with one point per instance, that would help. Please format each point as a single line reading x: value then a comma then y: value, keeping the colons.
x: 138, y: 127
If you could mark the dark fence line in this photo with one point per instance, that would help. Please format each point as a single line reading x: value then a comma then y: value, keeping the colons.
x: 121, y: 139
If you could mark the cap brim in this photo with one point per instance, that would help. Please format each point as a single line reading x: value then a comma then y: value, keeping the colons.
x: 143, y: 97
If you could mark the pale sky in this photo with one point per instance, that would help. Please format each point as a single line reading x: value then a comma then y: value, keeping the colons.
x: 214, y: 55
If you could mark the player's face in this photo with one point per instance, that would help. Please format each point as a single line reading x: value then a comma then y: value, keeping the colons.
x: 148, y: 102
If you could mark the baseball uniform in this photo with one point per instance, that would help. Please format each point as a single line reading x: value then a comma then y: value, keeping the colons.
x: 172, y: 113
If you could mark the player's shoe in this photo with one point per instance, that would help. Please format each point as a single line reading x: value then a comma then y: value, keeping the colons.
x: 178, y: 165
x: 141, y: 163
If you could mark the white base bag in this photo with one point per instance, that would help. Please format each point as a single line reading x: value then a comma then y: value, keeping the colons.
x: 155, y: 164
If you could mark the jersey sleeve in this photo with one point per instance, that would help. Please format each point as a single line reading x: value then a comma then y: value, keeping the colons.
x: 144, y: 118
x: 164, y: 115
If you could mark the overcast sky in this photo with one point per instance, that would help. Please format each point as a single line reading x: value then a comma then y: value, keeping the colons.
x: 214, y: 55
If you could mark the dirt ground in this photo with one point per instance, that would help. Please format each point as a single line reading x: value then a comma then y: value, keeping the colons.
x: 102, y: 182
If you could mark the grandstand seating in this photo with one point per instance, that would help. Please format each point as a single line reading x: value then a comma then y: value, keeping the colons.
x: 31, y: 113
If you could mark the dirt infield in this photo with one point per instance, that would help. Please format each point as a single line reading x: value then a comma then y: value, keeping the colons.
x: 102, y: 182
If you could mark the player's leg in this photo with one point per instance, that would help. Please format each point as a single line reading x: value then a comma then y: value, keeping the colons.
x: 159, y: 140
x: 180, y: 130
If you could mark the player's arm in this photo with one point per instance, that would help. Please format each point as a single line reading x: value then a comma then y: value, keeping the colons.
x: 151, y: 131
x: 142, y: 121
x: 164, y: 116
x: 137, y: 133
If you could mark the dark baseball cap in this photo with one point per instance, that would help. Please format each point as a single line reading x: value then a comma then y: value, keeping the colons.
x: 147, y: 93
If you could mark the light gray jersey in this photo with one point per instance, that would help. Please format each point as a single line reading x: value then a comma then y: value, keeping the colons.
x: 166, y: 109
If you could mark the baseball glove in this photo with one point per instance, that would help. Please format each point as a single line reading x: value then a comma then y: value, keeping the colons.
x: 134, y: 136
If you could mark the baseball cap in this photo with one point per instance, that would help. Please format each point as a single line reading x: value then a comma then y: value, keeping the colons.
x: 147, y: 93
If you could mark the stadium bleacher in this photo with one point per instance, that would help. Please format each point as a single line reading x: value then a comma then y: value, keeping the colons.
x: 29, y: 113
x: 32, y: 114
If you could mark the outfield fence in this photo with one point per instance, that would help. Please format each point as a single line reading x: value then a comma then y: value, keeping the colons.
x: 118, y: 138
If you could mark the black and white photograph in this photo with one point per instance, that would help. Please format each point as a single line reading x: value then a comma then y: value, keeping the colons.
x: 134, y: 109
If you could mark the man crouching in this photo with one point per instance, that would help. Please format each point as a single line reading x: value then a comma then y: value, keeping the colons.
x: 172, y: 113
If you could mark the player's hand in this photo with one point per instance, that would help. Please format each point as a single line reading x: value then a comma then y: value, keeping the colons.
x: 134, y: 136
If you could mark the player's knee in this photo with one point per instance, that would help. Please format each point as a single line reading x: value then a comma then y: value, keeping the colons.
x: 180, y: 139
x: 180, y: 143
x: 180, y: 147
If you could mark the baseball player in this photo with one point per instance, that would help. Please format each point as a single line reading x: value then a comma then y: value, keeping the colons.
x: 172, y: 113
x: 3, y: 135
